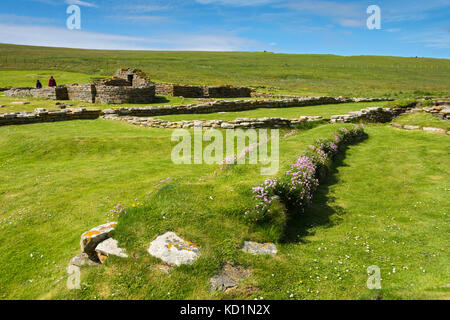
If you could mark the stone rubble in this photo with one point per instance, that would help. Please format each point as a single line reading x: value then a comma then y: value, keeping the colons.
x: 427, y: 129
x: 228, y: 278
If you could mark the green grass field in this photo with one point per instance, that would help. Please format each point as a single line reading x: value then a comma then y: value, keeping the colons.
x: 58, y: 180
x: 291, y: 113
x: 385, y: 203
x: 375, y: 76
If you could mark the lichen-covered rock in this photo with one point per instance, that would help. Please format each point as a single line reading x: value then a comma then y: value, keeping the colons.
x: 259, y: 248
x: 173, y: 250
x: 228, y: 278
x: 90, y: 239
x: 109, y: 247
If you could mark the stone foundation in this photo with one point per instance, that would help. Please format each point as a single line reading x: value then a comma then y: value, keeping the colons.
x: 83, y: 92
x: 127, y: 86
x: 441, y: 110
x: 228, y: 106
x: 372, y: 114
x: 122, y: 94
x: 42, y: 115
x: 52, y: 93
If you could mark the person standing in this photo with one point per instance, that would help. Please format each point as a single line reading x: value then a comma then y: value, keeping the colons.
x: 38, y: 85
x: 52, y: 82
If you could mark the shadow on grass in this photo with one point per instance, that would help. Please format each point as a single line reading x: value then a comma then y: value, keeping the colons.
x: 319, y: 213
x: 159, y: 99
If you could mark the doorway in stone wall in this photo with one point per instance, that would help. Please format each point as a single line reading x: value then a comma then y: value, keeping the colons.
x: 130, y: 79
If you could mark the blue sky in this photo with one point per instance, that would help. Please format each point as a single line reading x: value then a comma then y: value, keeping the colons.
x: 408, y: 27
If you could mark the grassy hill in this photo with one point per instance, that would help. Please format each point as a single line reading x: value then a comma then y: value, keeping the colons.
x: 376, y: 76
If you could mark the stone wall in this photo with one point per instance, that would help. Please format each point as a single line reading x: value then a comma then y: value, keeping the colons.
x: 227, y: 106
x: 228, y: 92
x: 122, y: 94
x: 245, y: 123
x: 372, y: 114
x: 192, y: 91
x: 127, y: 86
x: 42, y: 115
x: 180, y: 90
x: 53, y: 93
x: 92, y: 93
x: 441, y: 110
x: 82, y: 92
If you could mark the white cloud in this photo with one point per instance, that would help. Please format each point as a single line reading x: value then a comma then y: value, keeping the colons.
x: 59, y: 37
x: 327, y: 8
x: 13, y: 18
x: 143, y: 8
x: 145, y: 19
x: 351, y: 22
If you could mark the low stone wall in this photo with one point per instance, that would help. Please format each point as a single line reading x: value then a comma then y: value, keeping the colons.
x: 372, y: 114
x: 245, y: 123
x: 179, y: 90
x: 192, y: 91
x: 92, y: 93
x: 53, y: 93
x: 42, y: 115
x: 83, y: 92
x: 228, y: 106
x: 228, y: 92
x: 5, y: 88
x: 118, y: 95
x: 441, y: 110
x: 426, y: 129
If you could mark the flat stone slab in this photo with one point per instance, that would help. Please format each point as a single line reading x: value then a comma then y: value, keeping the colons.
x: 432, y: 129
x: 81, y: 260
x: 109, y: 247
x: 259, y: 248
x: 174, y: 250
x: 228, y: 278
x: 90, y: 239
x: 409, y: 127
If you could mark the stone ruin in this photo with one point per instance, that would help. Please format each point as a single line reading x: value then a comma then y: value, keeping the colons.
x: 192, y: 91
x: 126, y: 86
